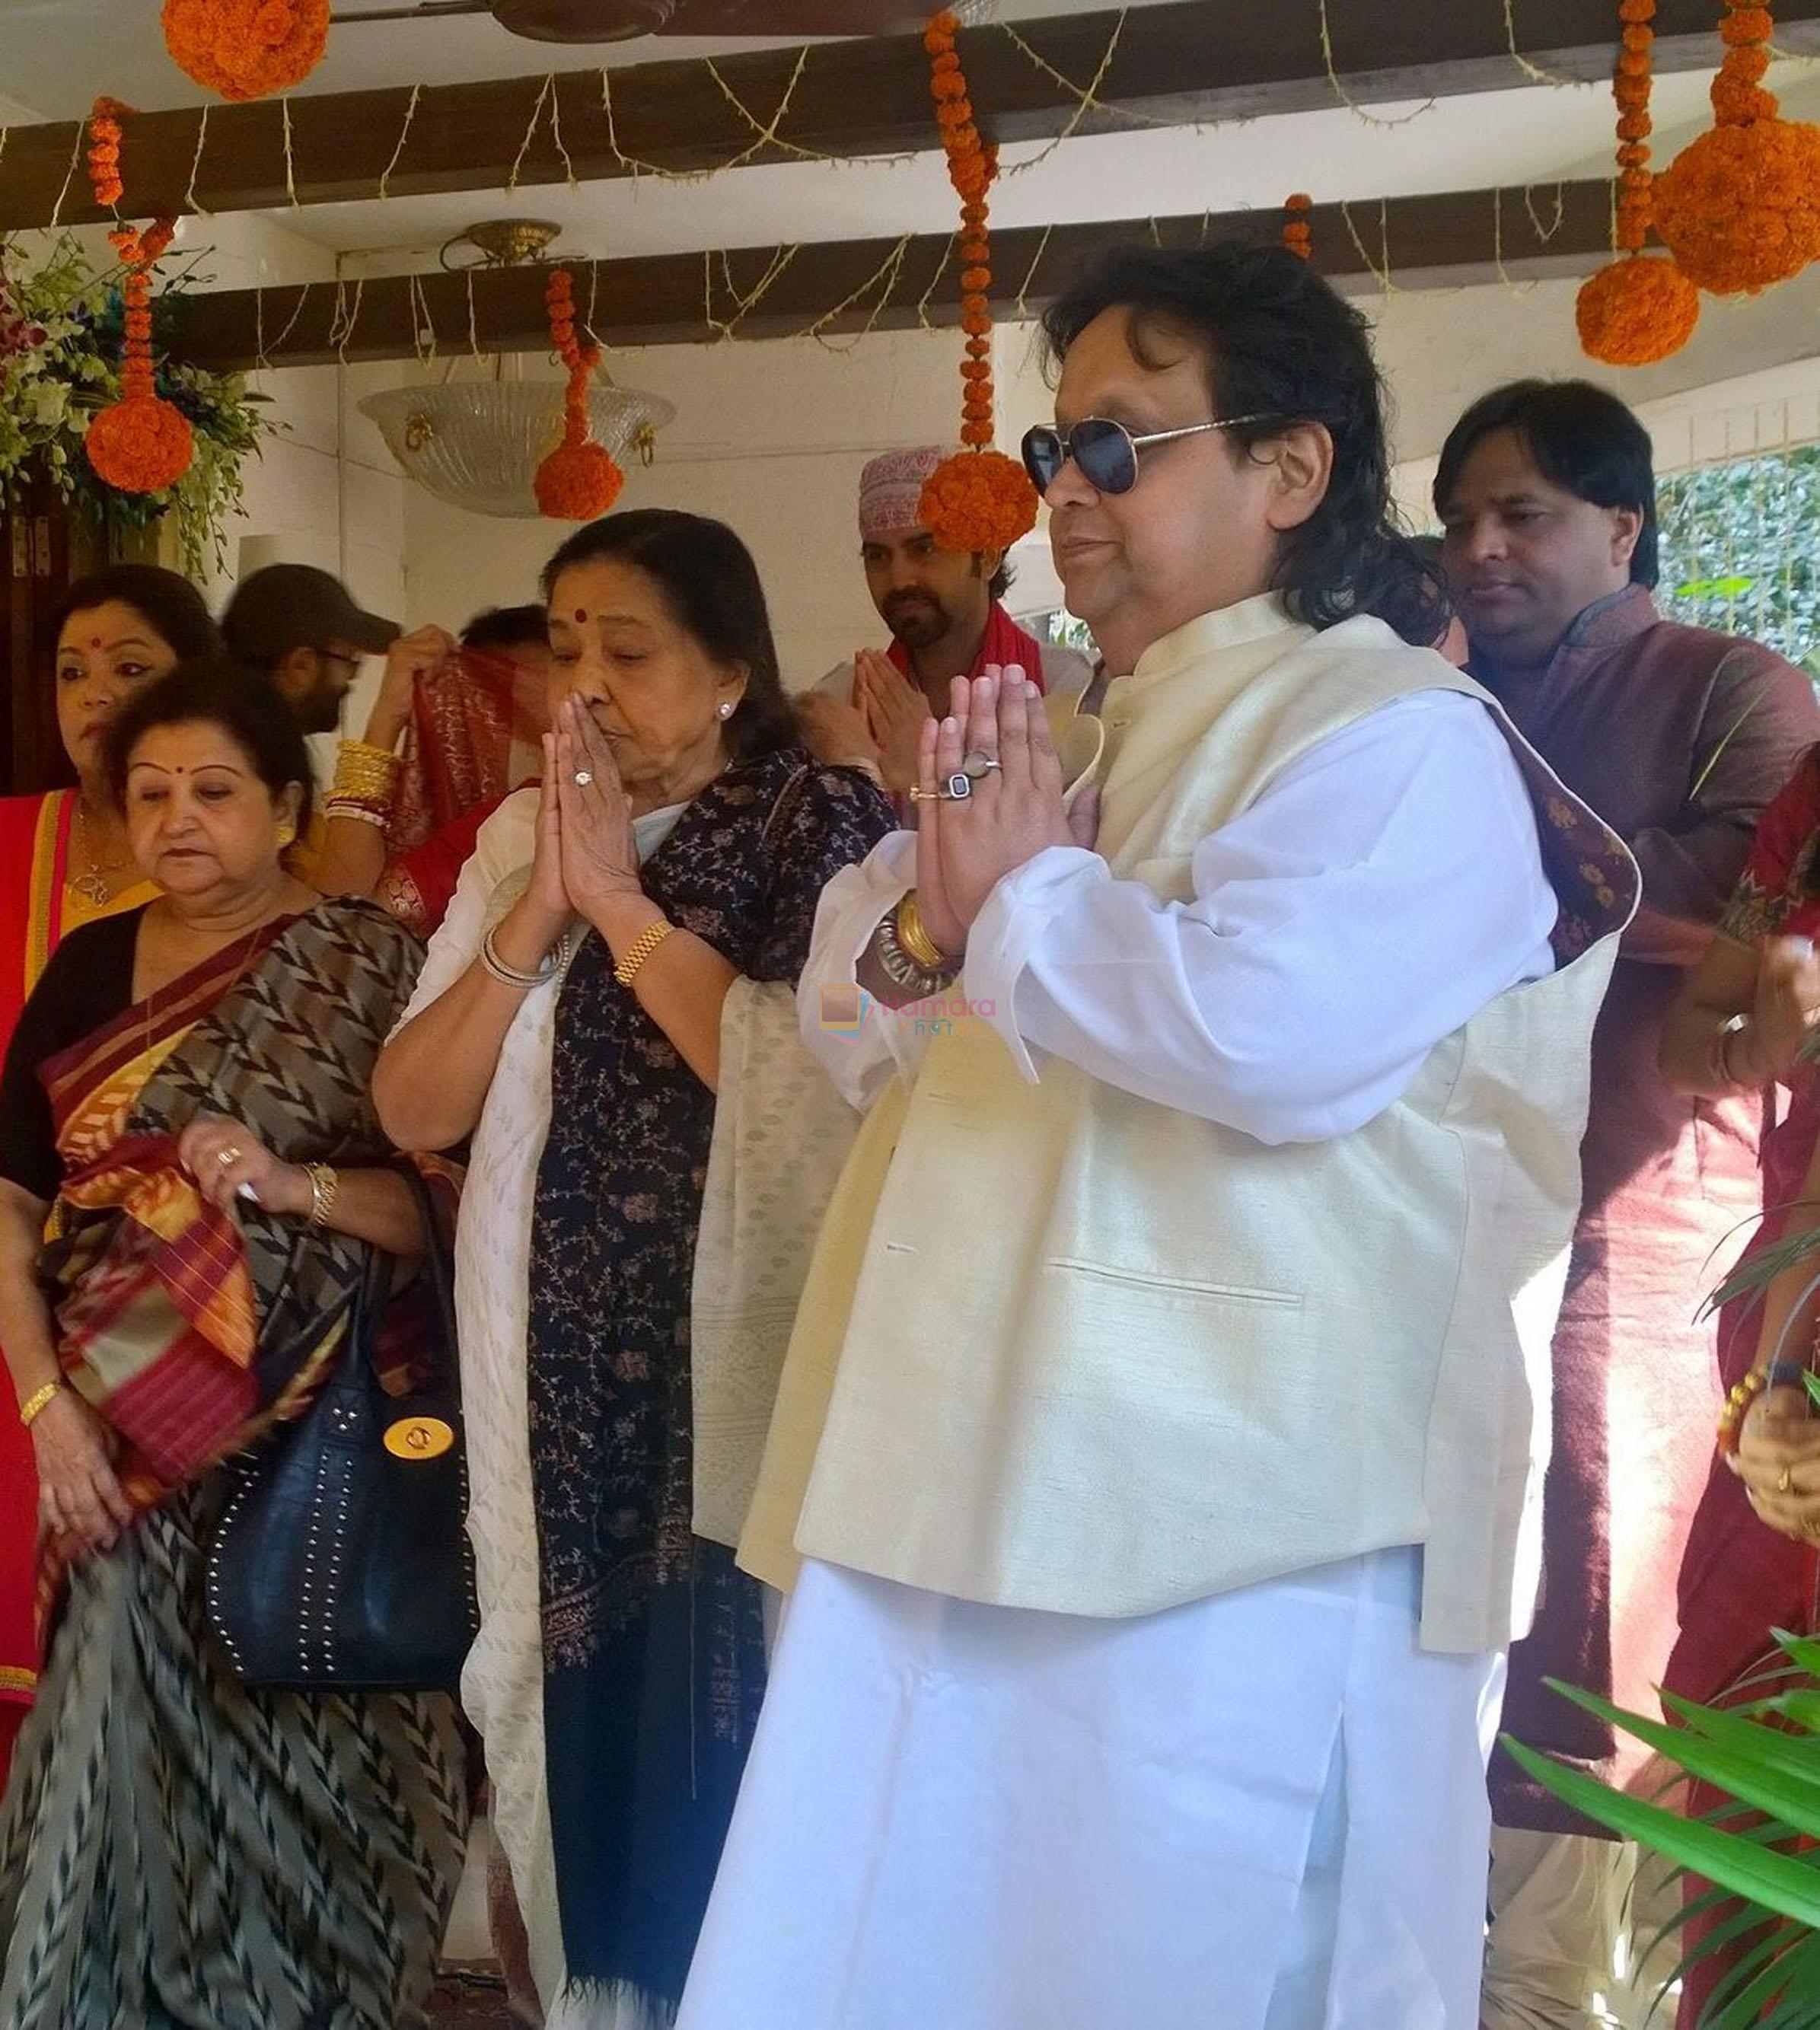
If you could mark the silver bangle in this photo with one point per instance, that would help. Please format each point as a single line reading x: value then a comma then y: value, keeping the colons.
x: 511, y: 975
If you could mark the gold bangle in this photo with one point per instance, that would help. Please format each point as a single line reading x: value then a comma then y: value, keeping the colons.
x: 324, y: 1182
x: 641, y: 949
x: 30, y: 1410
x: 363, y: 771
x: 912, y: 935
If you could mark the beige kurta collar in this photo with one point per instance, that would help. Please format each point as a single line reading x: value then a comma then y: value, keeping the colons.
x: 1200, y: 640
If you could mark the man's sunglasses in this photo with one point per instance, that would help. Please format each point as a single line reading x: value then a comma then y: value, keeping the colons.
x: 1105, y: 451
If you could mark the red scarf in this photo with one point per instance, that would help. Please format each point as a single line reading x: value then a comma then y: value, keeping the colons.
x: 1005, y: 643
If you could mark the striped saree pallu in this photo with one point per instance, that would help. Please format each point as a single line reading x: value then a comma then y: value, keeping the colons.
x: 190, y: 1329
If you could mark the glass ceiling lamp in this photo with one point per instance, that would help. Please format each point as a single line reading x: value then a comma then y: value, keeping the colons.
x: 478, y: 444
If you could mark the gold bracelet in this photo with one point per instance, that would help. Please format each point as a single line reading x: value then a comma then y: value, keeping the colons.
x: 641, y: 949
x: 37, y: 1401
x: 324, y: 1182
x: 912, y: 935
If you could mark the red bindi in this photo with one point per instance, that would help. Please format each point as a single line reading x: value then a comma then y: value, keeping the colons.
x: 581, y: 614
x: 95, y: 641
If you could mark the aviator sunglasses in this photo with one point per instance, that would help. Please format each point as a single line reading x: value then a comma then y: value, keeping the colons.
x: 1105, y: 451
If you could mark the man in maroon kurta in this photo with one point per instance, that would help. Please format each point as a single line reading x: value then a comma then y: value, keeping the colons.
x: 1678, y: 737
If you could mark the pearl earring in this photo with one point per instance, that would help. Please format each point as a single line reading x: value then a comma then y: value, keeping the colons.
x: 726, y: 709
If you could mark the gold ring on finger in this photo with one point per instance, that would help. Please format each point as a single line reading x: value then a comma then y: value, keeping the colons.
x: 1784, y: 1484
x: 230, y: 1155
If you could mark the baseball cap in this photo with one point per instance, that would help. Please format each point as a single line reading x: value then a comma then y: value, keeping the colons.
x: 296, y: 606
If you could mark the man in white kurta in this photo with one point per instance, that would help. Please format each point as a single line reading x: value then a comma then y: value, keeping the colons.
x: 1156, y: 1459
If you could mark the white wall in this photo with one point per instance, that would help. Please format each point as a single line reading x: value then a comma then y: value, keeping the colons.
x: 770, y: 437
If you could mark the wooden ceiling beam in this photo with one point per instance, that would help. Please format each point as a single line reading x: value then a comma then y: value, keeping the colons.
x: 772, y: 292
x: 1186, y: 61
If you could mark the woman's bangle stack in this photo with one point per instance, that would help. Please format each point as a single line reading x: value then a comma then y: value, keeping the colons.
x: 366, y: 777
x: 910, y: 957
x: 1778, y: 1374
x: 515, y: 976
x: 325, y: 1183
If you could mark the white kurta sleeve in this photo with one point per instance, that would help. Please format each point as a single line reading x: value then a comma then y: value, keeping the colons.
x: 1385, y: 887
x: 860, y: 1057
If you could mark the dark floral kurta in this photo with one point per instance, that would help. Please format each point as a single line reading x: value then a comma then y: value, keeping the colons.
x: 652, y: 1641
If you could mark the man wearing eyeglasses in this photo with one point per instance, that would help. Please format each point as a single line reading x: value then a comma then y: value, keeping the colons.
x: 1156, y: 1460
x: 944, y: 610
x: 302, y: 630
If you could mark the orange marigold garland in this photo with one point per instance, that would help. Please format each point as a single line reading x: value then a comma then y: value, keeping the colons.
x: 1634, y: 311
x: 141, y: 443
x: 978, y: 500
x: 246, y: 49
x: 1740, y: 207
x: 104, y: 136
x: 580, y: 479
x: 1296, y: 236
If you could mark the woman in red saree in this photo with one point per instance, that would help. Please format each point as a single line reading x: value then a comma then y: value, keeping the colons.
x: 64, y: 862
x: 186, y: 1097
x: 1742, y: 1020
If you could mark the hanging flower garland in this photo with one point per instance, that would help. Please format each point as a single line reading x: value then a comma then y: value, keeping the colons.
x: 1740, y: 207
x: 1296, y: 234
x: 978, y: 500
x: 142, y: 444
x: 1635, y: 310
x: 246, y: 49
x: 580, y: 479
x: 104, y: 138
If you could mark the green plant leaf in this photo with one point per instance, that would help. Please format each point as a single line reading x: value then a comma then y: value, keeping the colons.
x: 1775, y: 1747
x: 1776, y: 1881
x: 1750, y: 1768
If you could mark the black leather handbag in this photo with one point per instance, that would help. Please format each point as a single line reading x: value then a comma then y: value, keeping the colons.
x: 341, y: 1561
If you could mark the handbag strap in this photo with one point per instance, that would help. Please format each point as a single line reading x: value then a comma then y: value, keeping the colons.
x: 441, y: 1271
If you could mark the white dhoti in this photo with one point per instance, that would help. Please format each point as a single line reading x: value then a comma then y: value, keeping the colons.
x: 1263, y: 1810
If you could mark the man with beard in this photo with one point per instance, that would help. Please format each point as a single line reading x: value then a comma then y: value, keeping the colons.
x: 1678, y: 737
x: 942, y: 608
x: 300, y: 628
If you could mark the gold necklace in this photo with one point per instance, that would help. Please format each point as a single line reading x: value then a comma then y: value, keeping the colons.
x: 94, y: 887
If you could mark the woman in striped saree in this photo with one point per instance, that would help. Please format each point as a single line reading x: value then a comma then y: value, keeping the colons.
x: 185, y: 1097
